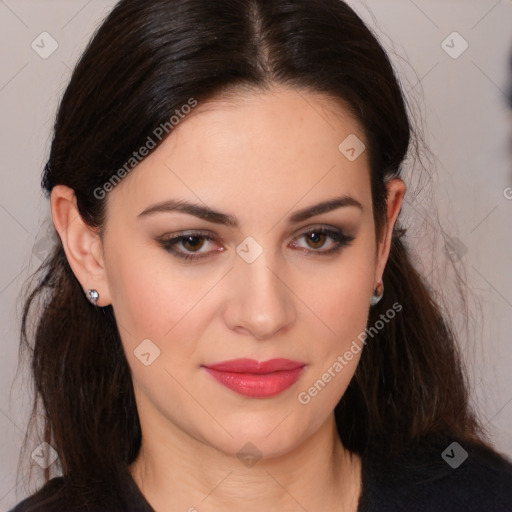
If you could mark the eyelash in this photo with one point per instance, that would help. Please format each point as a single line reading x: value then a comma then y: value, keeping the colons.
x: 339, y: 238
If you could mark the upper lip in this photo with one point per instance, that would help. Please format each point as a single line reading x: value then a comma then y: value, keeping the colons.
x: 253, y: 366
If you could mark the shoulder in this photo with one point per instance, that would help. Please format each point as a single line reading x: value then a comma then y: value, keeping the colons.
x: 108, y: 494
x: 48, y: 494
x: 438, y: 474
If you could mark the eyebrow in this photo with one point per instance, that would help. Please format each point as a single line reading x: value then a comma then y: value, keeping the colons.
x: 210, y: 215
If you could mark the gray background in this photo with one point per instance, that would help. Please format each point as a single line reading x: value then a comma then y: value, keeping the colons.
x: 460, y: 103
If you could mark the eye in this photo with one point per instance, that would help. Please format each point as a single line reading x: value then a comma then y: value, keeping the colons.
x: 318, y: 237
x: 189, y: 245
x: 196, y: 245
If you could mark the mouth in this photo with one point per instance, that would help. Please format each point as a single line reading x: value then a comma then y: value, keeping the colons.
x: 257, y: 379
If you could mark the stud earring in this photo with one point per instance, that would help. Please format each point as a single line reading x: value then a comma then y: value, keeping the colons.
x: 93, y: 296
x: 378, y: 293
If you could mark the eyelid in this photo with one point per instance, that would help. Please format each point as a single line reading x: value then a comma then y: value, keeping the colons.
x: 190, y: 232
x: 319, y: 227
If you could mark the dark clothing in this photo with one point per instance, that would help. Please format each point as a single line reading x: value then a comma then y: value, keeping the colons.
x: 420, y: 480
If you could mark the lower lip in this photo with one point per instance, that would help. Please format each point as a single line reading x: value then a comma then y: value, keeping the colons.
x: 257, y: 385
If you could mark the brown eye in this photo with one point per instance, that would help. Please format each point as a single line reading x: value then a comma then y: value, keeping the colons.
x: 191, y: 246
x: 193, y: 243
x: 321, y: 241
x: 316, y: 239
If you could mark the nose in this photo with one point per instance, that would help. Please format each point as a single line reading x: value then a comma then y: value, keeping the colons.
x: 260, y: 301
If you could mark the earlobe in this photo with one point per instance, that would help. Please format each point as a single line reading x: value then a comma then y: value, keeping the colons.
x: 81, y: 243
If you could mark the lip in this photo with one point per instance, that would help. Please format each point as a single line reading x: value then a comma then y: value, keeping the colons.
x: 256, y: 379
x: 253, y: 366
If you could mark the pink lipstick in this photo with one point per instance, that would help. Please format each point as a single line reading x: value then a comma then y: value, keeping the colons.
x: 257, y: 380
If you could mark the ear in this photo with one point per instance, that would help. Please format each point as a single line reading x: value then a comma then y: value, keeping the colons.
x: 82, y: 243
x: 396, y: 192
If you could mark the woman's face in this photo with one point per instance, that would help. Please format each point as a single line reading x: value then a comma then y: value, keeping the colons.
x: 260, y: 279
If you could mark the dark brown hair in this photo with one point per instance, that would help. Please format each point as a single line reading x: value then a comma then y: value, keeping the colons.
x: 147, y: 60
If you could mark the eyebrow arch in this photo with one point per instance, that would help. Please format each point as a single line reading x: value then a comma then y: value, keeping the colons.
x: 203, y: 212
x: 324, y: 207
x: 208, y: 214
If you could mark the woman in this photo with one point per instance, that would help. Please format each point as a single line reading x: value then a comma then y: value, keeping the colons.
x: 231, y: 319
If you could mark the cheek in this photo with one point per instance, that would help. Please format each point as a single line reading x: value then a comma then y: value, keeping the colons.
x: 150, y: 299
x: 341, y: 298
x: 343, y: 310
x: 347, y: 311
x: 340, y: 301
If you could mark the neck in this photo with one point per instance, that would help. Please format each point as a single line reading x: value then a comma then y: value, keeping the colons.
x: 182, y: 473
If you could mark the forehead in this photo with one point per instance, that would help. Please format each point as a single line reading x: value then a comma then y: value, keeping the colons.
x: 245, y: 113
x: 254, y: 146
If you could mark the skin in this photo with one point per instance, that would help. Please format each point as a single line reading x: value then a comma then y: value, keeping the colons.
x: 260, y: 158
